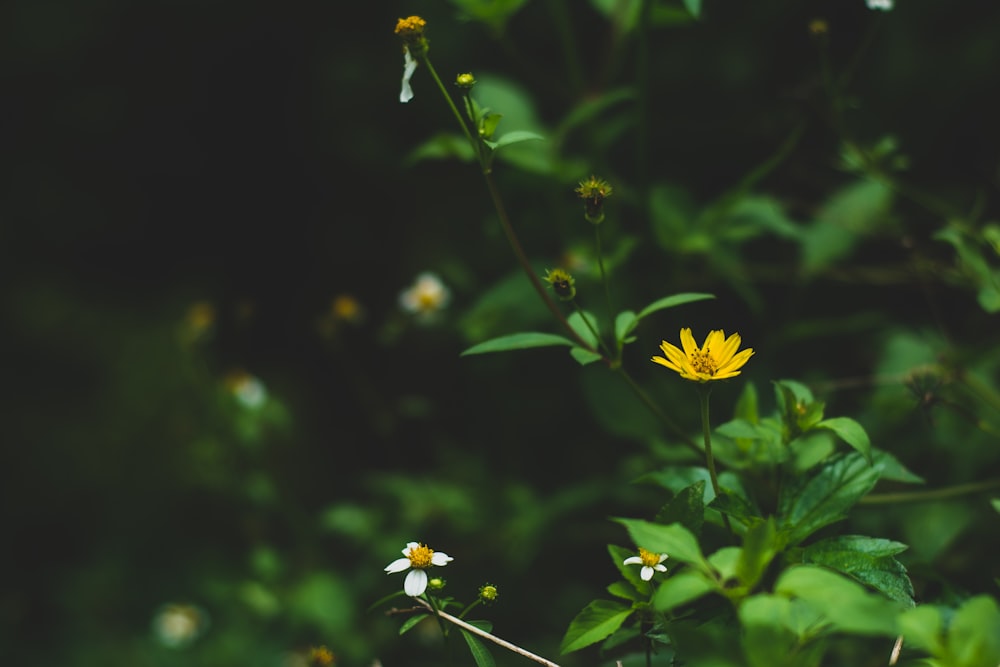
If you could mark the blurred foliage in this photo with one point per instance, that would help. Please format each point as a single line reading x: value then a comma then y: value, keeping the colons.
x: 221, y: 425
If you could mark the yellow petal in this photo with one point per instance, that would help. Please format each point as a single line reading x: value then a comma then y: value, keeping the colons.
x: 687, y: 342
x: 736, y: 362
x: 726, y: 350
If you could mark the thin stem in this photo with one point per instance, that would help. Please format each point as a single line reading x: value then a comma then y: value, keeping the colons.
x: 526, y: 265
x: 590, y: 327
x: 704, y: 390
x: 486, y: 635
x: 943, y: 493
x: 454, y: 109
x: 604, y: 276
x: 657, y: 412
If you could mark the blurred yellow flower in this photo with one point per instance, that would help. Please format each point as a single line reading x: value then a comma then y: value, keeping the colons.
x: 717, y: 359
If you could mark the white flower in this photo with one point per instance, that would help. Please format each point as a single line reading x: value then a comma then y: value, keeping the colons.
x: 426, y: 296
x: 419, y: 557
x: 409, y: 67
x: 177, y: 625
x: 884, y: 5
x: 649, y: 561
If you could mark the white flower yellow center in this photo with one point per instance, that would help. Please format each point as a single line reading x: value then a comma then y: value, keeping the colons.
x: 649, y: 559
x: 420, y: 556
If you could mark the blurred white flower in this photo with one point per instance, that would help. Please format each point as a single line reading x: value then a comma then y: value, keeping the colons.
x: 884, y: 5
x: 426, y: 296
x: 177, y: 625
x: 247, y: 389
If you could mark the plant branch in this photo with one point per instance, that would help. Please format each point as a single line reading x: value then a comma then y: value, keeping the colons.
x: 486, y: 635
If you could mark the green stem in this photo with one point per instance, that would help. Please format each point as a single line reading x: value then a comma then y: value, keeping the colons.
x: 704, y: 390
x: 590, y: 327
x: 476, y: 145
x: 931, y: 494
x: 526, y: 265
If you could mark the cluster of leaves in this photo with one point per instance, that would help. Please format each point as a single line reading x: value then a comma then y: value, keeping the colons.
x: 792, y: 589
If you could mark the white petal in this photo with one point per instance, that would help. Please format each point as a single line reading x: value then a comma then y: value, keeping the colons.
x: 660, y: 568
x: 398, y: 565
x: 409, y: 67
x: 416, y: 583
x: 410, y: 546
x: 645, y: 575
x: 440, y: 558
x: 632, y: 560
x: 663, y: 557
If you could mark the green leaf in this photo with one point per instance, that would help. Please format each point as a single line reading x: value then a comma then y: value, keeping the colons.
x: 518, y: 341
x: 844, y: 603
x: 515, y: 137
x: 480, y: 654
x: 891, y: 469
x: 580, y: 325
x: 736, y: 506
x: 686, y: 508
x: 850, y: 432
x: 693, y: 6
x: 584, y: 357
x: 853, y: 212
x: 760, y: 545
x: 807, y: 504
x: 597, y: 620
x: 974, y: 633
x: 775, y: 632
x: 409, y: 623
x: 747, y: 404
x: 625, y: 324
x: 629, y: 572
x: 868, y: 560
x: 674, y: 300
x: 682, y: 588
x: 923, y: 628
x: 625, y: 590
x: 674, y: 540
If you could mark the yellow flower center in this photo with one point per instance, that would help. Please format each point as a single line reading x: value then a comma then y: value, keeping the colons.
x: 411, y: 25
x: 649, y: 559
x: 702, y: 361
x: 420, y: 556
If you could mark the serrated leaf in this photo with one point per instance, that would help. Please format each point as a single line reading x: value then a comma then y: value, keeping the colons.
x: 807, y: 504
x: 850, y: 432
x: 597, y: 620
x: 674, y: 300
x: 480, y: 653
x: 518, y: 341
x: 735, y: 506
x: 868, y: 560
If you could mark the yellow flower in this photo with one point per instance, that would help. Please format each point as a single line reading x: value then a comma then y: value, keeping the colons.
x: 717, y: 359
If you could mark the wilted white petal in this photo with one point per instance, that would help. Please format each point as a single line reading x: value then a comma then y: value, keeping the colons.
x: 409, y: 67
x: 398, y: 565
x: 416, y: 583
